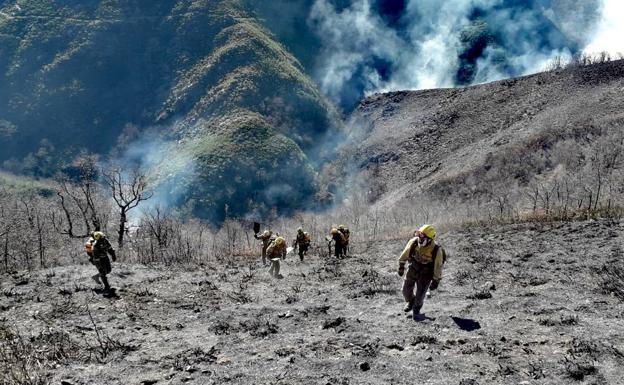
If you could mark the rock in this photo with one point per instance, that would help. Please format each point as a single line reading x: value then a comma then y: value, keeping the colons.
x: 148, y: 382
x: 364, y: 366
x: 395, y: 346
x: 333, y: 323
x: 468, y: 381
x: 224, y: 360
x: 67, y: 382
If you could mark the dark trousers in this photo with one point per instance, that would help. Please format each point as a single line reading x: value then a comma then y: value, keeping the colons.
x: 419, y: 276
x: 339, y: 249
x: 104, y: 267
x: 303, y: 249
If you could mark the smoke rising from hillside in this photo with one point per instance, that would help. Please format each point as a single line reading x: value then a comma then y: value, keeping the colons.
x: 381, y: 45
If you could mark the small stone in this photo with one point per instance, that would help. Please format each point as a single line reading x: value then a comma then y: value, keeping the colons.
x: 66, y: 382
x: 364, y: 366
x: 149, y: 382
x: 224, y: 360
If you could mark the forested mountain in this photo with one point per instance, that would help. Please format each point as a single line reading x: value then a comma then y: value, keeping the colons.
x: 198, y: 90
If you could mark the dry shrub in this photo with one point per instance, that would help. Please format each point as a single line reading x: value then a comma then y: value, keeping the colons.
x: 613, y: 279
x: 27, y: 360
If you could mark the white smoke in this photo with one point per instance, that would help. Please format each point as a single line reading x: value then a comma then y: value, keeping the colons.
x: 609, y: 36
x: 424, y: 52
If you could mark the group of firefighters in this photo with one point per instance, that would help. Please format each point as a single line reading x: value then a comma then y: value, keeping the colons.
x: 424, y: 272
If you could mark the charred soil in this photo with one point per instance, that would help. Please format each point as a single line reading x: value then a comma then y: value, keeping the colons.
x: 534, y: 303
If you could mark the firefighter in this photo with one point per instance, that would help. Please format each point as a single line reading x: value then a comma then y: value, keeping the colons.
x: 426, y: 260
x: 266, y: 238
x: 346, y: 233
x: 339, y: 242
x: 302, y: 241
x: 275, y: 252
x: 98, y: 248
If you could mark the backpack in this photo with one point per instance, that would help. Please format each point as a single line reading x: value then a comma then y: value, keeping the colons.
x: 436, y: 247
x: 89, y: 246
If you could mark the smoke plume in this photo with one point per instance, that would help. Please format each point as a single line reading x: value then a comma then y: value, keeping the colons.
x: 610, y: 30
x: 382, y: 45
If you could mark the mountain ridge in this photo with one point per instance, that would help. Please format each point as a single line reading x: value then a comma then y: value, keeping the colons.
x: 467, y: 142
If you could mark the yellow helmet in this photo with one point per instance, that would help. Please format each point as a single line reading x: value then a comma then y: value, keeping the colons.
x: 341, y: 227
x: 428, y: 230
x: 300, y: 230
x: 97, y: 235
x: 279, y: 241
x: 334, y: 231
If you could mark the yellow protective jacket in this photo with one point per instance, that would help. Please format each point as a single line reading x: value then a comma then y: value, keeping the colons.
x: 338, y: 236
x: 303, y: 239
x: 424, y: 255
x: 275, y: 252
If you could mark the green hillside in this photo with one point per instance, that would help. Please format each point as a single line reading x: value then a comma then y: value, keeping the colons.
x: 205, y: 75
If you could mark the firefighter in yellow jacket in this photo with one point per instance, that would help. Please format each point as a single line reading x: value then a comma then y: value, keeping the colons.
x: 98, y: 248
x: 426, y: 260
x: 265, y: 237
x: 302, y: 241
x: 275, y: 252
x: 340, y: 242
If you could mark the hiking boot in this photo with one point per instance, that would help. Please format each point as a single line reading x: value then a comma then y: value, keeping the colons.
x: 279, y: 276
x: 96, y: 278
x: 408, y: 306
x: 416, y: 310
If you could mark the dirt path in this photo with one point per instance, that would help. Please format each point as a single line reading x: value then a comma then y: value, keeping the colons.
x: 522, y: 305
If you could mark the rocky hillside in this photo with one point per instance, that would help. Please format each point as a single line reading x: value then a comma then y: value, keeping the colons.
x: 492, y: 140
x: 205, y: 77
x: 520, y: 304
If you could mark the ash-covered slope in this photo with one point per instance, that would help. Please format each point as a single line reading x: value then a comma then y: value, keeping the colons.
x: 534, y: 309
x: 474, y: 141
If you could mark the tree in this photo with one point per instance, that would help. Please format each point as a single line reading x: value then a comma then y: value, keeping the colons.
x: 80, y: 198
x: 128, y: 190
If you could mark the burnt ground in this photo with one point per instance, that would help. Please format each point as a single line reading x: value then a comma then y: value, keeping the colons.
x: 521, y: 304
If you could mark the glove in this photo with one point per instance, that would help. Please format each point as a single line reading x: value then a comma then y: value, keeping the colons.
x: 434, y: 285
x: 401, y: 270
x: 113, y: 255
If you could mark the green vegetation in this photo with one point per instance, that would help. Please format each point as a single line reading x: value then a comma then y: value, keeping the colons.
x: 21, y: 186
x: 217, y: 86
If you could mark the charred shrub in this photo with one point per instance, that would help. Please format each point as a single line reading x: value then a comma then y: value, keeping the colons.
x: 26, y: 359
x: 613, y: 279
x: 577, y: 370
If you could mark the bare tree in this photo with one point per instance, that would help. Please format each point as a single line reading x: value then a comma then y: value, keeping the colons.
x: 128, y: 190
x: 78, y: 194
